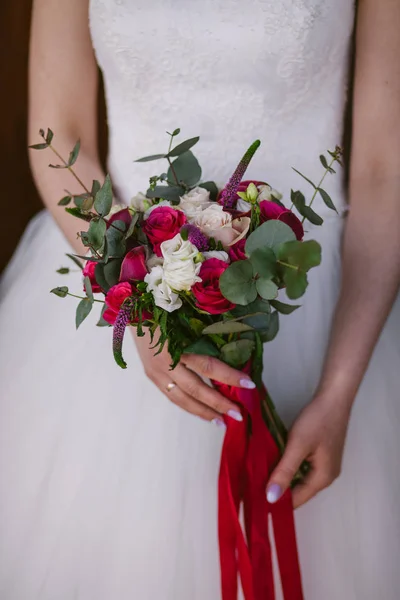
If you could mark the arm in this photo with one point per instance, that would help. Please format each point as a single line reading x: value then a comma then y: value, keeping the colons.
x: 371, y: 254
x: 63, y: 81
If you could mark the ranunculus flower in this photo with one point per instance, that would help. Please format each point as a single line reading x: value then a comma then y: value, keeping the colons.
x: 88, y: 271
x: 272, y: 211
x: 215, y: 222
x: 164, y: 297
x: 207, y: 293
x: 114, y: 299
x: 194, y: 202
x: 236, y: 252
x: 163, y: 223
x: 133, y: 266
x: 180, y: 268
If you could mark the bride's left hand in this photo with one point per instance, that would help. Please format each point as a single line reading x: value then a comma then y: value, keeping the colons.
x: 318, y: 436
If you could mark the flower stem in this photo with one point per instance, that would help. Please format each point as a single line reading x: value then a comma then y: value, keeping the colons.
x: 334, y: 158
x: 82, y: 298
x: 173, y: 171
x: 70, y: 169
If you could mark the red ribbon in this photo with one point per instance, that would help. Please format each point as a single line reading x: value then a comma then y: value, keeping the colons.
x: 249, y: 455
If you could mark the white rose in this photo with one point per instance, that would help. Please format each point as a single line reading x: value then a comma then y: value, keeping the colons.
x: 194, y: 202
x: 162, y: 203
x: 141, y: 203
x: 180, y: 269
x: 220, y: 254
x: 164, y: 297
x: 218, y: 224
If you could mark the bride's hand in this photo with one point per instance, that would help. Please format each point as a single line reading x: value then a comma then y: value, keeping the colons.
x: 318, y: 435
x: 189, y: 391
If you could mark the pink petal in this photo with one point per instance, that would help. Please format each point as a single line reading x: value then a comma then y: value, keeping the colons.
x: 134, y: 265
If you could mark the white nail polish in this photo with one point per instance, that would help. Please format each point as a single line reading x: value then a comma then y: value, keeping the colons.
x: 219, y: 423
x: 248, y: 384
x: 235, y: 414
x: 274, y: 492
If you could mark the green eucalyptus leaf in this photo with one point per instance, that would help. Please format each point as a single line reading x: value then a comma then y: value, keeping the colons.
x: 166, y: 192
x: 304, y: 255
x: 63, y: 271
x: 84, y: 202
x: 96, y: 232
x: 259, y: 321
x: 304, y: 177
x: 273, y: 328
x: 176, y: 132
x: 197, y: 326
x: 61, y: 292
x: 327, y: 199
x: 104, y: 198
x: 202, y: 346
x: 270, y: 234
x: 74, y: 154
x: 38, y: 146
x: 75, y: 212
x: 75, y: 260
x: 299, y: 201
x: 296, y: 283
x: 324, y: 161
x: 95, y: 187
x: 258, y: 306
x: 225, y: 327
x: 82, y: 311
x: 211, y: 187
x: 266, y: 288
x: 112, y: 271
x: 183, y: 147
x: 186, y: 168
x: 88, y: 289
x: 49, y: 136
x: 284, y: 309
x: 237, y: 353
x: 150, y: 158
x: 116, y: 243
x: 237, y: 283
x: 264, y: 262
x: 101, y: 278
x: 101, y: 322
x: 131, y: 228
x: 65, y: 201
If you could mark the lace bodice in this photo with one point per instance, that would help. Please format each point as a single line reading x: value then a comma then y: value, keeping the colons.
x: 230, y: 71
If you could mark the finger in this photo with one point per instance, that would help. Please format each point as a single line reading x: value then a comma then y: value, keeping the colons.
x: 179, y: 397
x: 214, y: 369
x: 195, y: 387
x: 284, y: 472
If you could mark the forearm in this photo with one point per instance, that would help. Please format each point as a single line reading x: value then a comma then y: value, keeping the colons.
x: 370, y: 282
x: 53, y: 184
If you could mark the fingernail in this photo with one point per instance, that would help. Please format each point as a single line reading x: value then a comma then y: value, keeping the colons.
x: 247, y: 383
x: 219, y: 423
x: 274, y: 492
x: 235, y: 414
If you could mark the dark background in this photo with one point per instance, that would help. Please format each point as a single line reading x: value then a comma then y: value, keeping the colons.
x: 19, y: 198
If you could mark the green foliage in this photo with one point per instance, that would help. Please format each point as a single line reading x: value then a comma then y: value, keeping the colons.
x: 258, y: 321
x: 88, y: 288
x: 226, y: 327
x: 150, y: 158
x: 237, y: 283
x: 186, y: 168
x: 101, y: 322
x: 270, y: 234
x: 327, y: 199
x: 284, y: 309
x: 324, y: 161
x: 304, y: 177
x: 307, y: 212
x: 272, y: 330
x: 202, y: 346
x: 82, y: 311
x: 104, y: 198
x: 95, y: 187
x: 76, y: 212
x: 38, y: 146
x: 258, y: 306
x: 97, y: 231
x: 107, y: 275
x: 183, y: 147
x: 65, y: 201
x: 266, y: 288
x: 61, y: 292
x: 115, y: 236
x: 84, y: 202
x: 304, y: 255
x: 296, y: 283
x: 166, y: 192
x: 237, y: 353
x: 74, y: 154
x: 264, y: 262
x: 63, y: 271
x: 75, y: 260
x: 212, y: 188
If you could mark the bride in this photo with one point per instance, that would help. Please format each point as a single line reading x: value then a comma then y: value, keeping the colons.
x: 107, y: 487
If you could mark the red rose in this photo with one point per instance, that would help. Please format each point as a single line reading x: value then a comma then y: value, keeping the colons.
x: 122, y: 215
x: 88, y: 271
x: 236, y: 252
x: 163, y: 223
x: 114, y: 300
x: 133, y: 266
x: 272, y: 211
x: 207, y: 292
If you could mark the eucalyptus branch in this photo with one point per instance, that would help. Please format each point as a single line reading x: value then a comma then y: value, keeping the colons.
x: 83, y: 298
x: 173, y: 171
x: 70, y: 169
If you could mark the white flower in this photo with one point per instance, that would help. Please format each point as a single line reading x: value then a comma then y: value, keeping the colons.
x: 162, y: 203
x: 243, y: 206
x: 141, y: 203
x: 267, y: 193
x: 220, y: 254
x: 194, y: 202
x: 218, y: 224
x: 180, y: 269
x: 116, y: 208
x: 164, y: 297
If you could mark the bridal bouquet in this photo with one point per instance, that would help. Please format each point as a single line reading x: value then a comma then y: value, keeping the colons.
x: 203, y: 271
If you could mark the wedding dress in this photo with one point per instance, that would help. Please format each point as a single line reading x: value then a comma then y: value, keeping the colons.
x: 107, y: 490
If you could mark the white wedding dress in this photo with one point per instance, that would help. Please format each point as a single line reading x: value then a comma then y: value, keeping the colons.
x: 107, y: 490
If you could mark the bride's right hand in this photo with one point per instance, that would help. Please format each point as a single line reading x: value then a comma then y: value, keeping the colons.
x: 190, y: 392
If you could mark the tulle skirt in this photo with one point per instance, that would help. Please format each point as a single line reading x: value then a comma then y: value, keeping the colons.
x: 109, y: 492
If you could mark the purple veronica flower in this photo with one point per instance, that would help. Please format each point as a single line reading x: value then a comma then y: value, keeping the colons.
x: 229, y: 193
x: 196, y: 237
x: 121, y: 322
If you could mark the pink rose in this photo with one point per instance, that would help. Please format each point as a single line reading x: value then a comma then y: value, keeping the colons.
x: 163, y: 223
x: 133, y: 266
x: 207, y: 292
x: 272, y: 211
x: 115, y: 299
x: 236, y: 252
x: 88, y: 271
